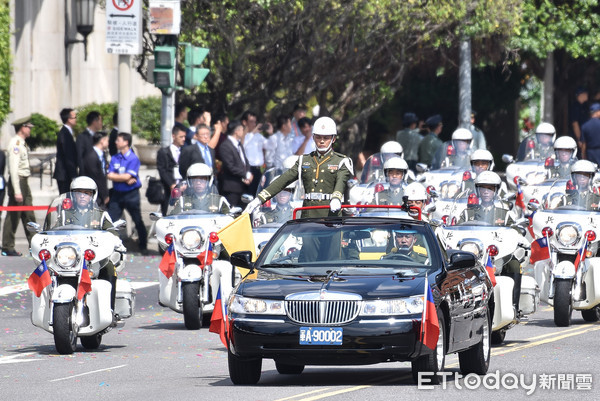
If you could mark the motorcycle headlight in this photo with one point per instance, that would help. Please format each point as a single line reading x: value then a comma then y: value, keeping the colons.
x: 452, y: 190
x: 191, y: 239
x: 66, y: 257
x: 389, y: 307
x: 471, y: 247
x: 240, y: 304
x: 567, y: 235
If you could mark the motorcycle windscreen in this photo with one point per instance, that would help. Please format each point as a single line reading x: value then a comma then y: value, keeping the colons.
x: 75, y: 210
x: 196, y: 196
x: 578, y: 193
x: 483, y: 207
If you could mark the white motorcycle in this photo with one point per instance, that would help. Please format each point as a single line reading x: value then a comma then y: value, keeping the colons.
x: 571, y: 229
x: 65, y: 247
x: 501, y: 243
x: 190, y: 228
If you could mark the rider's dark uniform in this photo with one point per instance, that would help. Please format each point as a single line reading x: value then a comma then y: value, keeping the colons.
x: 280, y: 214
x: 210, y: 202
x: 390, y: 196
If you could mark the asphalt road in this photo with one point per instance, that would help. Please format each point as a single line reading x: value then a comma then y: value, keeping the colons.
x: 154, y: 357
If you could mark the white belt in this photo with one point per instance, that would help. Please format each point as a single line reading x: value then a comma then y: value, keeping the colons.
x: 317, y: 196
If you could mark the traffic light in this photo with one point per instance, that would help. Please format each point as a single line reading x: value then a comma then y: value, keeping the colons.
x: 164, y: 66
x: 193, y: 75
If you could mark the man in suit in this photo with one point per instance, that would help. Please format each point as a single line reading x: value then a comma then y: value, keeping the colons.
x: 112, y: 146
x: 84, y: 140
x: 95, y: 166
x: 66, y: 152
x: 167, y: 164
x: 199, y: 152
x: 235, y: 175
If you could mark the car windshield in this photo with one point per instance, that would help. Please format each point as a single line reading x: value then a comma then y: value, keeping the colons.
x: 197, y: 196
x: 357, y: 246
x: 74, y: 211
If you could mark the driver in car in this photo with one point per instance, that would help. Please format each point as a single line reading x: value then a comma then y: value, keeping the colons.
x: 580, y: 190
x: 198, y: 194
x: 405, y: 246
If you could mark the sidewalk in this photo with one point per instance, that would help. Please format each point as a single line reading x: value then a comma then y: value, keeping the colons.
x: 45, y: 191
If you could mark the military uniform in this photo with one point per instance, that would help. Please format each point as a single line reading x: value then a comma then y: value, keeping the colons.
x: 280, y: 214
x: 410, y: 139
x: 560, y: 171
x: 19, y: 172
x: 588, y: 199
x: 92, y: 218
x: 324, y: 177
x: 391, y: 196
x: 497, y: 214
x: 211, y: 202
x: 428, y: 147
x: 416, y: 256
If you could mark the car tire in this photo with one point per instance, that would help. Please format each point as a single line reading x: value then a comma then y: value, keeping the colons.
x: 563, y: 302
x: 432, y: 362
x: 285, y: 369
x: 91, y: 342
x: 477, y: 359
x: 498, y: 337
x: 192, y: 310
x: 591, y: 315
x: 244, y: 370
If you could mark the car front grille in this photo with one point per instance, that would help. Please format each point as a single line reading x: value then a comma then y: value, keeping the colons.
x: 322, y: 312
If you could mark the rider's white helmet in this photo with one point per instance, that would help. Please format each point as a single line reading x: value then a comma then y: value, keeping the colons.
x: 488, y: 178
x: 396, y: 163
x: 483, y: 155
x: 546, y: 129
x: 392, y: 147
x: 565, y: 142
x: 416, y: 192
x: 324, y: 126
x: 199, y: 170
x: 289, y: 161
x: 86, y: 183
x: 462, y: 134
x: 583, y: 166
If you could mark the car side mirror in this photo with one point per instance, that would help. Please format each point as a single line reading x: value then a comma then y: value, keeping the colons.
x: 155, y: 216
x: 33, y: 227
x: 247, y: 198
x: 242, y: 259
x: 461, y: 260
x: 422, y: 167
x: 506, y: 158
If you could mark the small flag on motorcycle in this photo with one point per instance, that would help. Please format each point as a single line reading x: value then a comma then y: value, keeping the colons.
x: 430, y: 326
x: 581, y: 253
x: 520, y: 201
x: 491, y: 270
x: 167, y: 263
x: 539, y: 250
x: 39, y: 279
x: 218, y: 320
x: 206, y: 257
x: 85, y: 283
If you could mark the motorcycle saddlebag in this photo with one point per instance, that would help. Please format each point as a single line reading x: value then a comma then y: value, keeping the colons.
x: 125, y: 299
x: 530, y: 295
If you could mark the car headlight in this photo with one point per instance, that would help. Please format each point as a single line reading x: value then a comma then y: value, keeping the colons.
x: 397, y: 306
x: 240, y: 304
x: 471, y: 247
x: 66, y: 257
x: 567, y: 235
x: 191, y: 239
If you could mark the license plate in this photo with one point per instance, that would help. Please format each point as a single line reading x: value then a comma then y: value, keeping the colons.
x: 321, y: 335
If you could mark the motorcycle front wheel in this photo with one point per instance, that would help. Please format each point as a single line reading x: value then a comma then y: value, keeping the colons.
x: 65, y: 337
x: 91, y: 342
x: 192, y: 310
x: 563, y: 302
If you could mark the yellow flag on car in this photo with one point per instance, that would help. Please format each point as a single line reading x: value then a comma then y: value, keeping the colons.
x: 237, y: 236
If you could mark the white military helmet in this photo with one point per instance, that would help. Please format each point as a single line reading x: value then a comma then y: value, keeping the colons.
x: 547, y: 129
x: 483, y: 155
x: 86, y: 183
x: 199, y: 170
x: 462, y: 134
x: 488, y: 178
x: 324, y: 126
x: 416, y: 192
x: 583, y: 167
x: 397, y: 163
x: 392, y: 147
x: 565, y: 142
x: 289, y: 161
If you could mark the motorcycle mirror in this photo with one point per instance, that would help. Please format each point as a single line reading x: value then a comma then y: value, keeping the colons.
x: 506, y: 158
x: 247, y: 198
x: 522, y: 221
x: 422, y: 167
x: 33, y: 227
x: 154, y: 216
x: 520, y: 229
x: 119, y: 224
x: 352, y: 182
x: 235, y: 210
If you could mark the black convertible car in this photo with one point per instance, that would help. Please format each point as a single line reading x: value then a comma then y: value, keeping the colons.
x: 350, y: 290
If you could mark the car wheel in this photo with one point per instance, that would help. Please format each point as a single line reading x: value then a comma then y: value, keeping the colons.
x: 91, y: 342
x: 192, y: 311
x: 432, y: 363
x: 477, y: 359
x: 498, y: 337
x: 591, y: 315
x: 285, y: 369
x: 563, y: 302
x: 244, y: 370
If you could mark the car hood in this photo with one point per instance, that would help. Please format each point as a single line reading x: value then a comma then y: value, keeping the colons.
x: 274, y: 286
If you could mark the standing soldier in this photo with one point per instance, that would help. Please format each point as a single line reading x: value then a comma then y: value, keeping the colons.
x: 19, y: 193
x: 430, y: 145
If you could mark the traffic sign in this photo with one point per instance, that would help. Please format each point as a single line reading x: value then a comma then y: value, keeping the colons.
x: 124, y: 26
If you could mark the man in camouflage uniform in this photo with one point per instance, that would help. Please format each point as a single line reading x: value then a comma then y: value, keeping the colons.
x: 198, y: 195
x: 405, y: 242
x: 19, y: 193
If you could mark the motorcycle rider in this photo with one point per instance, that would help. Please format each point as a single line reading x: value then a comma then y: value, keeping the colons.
x: 565, y: 152
x: 539, y: 145
x: 481, y: 160
x: 282, y: 211
x: 580, y: 190
x: 417, y: 196
x: 457, y: 152
x: 395, y: 172
x: 405, y: 241
x: 199, y: 195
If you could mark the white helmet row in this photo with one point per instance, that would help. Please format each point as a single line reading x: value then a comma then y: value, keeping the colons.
x: 397, y: 163
x: 462, y: 134
x: 546, y: 129
x: 583, y: 167
x: 416, y: 192
x: 199, y: 170
x: 325, y: 126
x: 565, y: 142
x: 483, y: 155
x: 85, y: 183
x: 488, y: 178
x: 392, y: 147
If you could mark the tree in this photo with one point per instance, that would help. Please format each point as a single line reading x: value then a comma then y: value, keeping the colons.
x: 5, y: 60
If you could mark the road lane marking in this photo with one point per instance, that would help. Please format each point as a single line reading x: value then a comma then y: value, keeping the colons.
x: 556, y: 333
x: 303, y: 394
x: 87, y: 373
x: 12, y: 289
x: 13, y: 358
x: 336, y: 392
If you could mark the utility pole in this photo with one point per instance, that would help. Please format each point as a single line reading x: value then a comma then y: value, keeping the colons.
x: 464, y: 85
x: 124, y: 93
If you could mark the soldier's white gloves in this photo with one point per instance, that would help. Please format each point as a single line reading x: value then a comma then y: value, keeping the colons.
x: 252, y: 206
x: 335, y: 205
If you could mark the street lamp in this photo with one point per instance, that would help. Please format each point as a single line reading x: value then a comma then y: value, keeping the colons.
x: 84, y: 20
